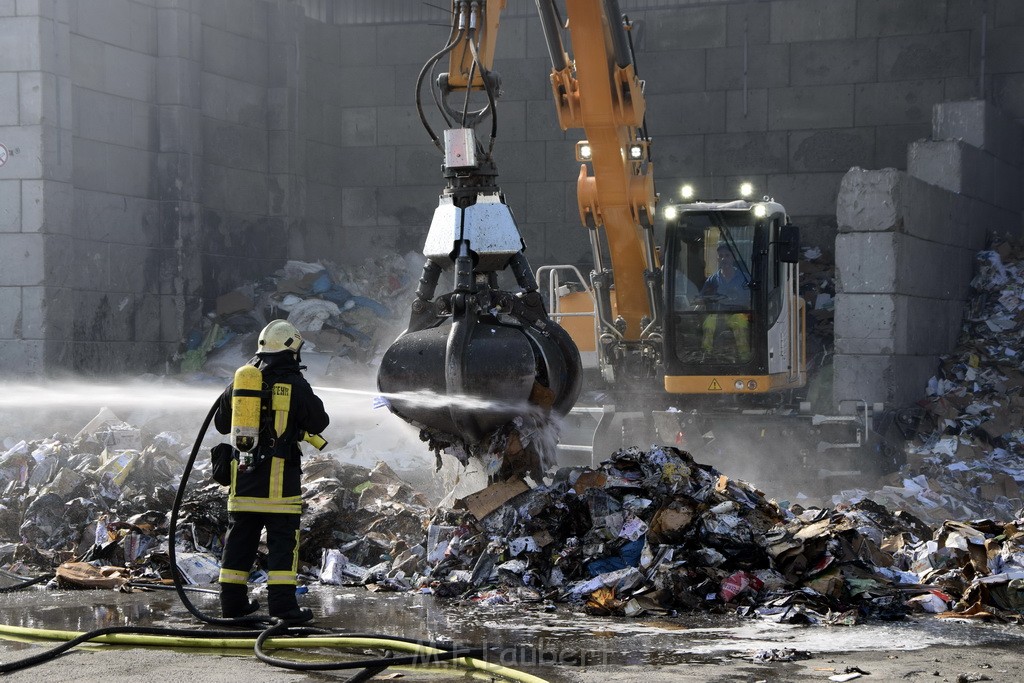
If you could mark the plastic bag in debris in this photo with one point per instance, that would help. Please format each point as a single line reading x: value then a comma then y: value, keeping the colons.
x: 198, y: 568
x: 311, y: 314
x: 332, y: 567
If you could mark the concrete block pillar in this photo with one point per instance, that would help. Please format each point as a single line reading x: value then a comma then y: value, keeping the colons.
x: 35, y: 178
x: 179, y: 165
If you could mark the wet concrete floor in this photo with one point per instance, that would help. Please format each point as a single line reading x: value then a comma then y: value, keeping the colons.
x: 557, y: 645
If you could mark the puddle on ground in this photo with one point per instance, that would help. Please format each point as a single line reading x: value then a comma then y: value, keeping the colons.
x: 523, y: 635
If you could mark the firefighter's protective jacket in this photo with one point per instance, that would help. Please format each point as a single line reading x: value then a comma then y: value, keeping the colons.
x: 272, y: 483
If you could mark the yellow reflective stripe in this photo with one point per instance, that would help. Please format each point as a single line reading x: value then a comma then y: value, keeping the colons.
x: 290, y: 505
x: 233, y: 576
x: 276, y: 489
x: 295, y: 554
x: 281, y: 578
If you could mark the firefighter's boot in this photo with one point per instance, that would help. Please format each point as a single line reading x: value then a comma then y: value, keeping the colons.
x: 235, y: 602
x: 284, y: 606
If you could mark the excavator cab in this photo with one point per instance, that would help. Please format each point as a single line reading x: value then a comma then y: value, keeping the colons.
x: 734, y: 319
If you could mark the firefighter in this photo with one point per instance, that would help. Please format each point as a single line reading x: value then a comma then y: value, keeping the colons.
x: 265, y: 489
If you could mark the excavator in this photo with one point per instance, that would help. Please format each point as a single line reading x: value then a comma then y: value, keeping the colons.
x: 711, y: 319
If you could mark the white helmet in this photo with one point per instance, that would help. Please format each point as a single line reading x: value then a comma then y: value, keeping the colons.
x: 279, y: 335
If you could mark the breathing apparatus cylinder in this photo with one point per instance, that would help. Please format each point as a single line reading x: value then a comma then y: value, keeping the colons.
x: 245, y: 408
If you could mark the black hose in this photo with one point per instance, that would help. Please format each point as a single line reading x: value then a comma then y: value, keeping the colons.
x: 26, y: 584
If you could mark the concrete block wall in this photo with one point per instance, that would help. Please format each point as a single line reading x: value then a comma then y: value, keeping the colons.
x: 906, y: 247
x: 167, y: 151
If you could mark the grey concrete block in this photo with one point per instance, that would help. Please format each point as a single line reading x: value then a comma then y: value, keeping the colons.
x: 26, y: 152
x: 133, y: 271
x: 1009, y: 13
x: 234, y: 56
x: 932, y: 270
x: 519, y: 162
x: 1003, y: 53
x: 511, y: 42
x: 520, y: 79
x: 235, y: 146
x: 144, y: 27
x: 129, y: 74
x: 375, y: 169
x: 25, y: 256
x: 678, y: 156
x: 511, y: 123
x: 891, y: 143
x: 867, y: 263
x: 20, y: 43
x: 9, y: 107
x: 928, y: 326
x: 545, y: 202
x: 832, y: 150
x: 900, y: 17
x: 697, y: 112
x: 954, y: 166
x: 746, y: 111
x: 358, y: 44
x: 674, y: 71
x: 939, y: 55
x: 865, y: 202
x: 1006, y: 186
x: 966, y: 15
x: 745, y: 153
x: 898, y: 102
x: 23, y: 358
x: 359, y: 206
x: 175, y: 36
x: 418, y: 43
x: 47, y: 206
x: 234, y: 101
x: 400, y: 126
x: 7, y: 8
x: 805, y: 193
x: 866, y: 323
x: 364, y: 86
x: 414, y: 207
x: 802, y: 20
x: 38, y: 98
x: 821, y: 106
x: 764, y: 66
x: 102, y: 117
x: 87, y: 63
x: 833, y: 62
x: 687, y: 28
x: 421, y: 165
x: 1008, y: 91
x: 108, y: 21
x: 542, y: 121
x: 130, y: 171
x: 10, y: 313
x: 863, y: 377
x: 10, y: 205
x: 179, y: 129
x: 559, y: 161
x: 180, y: 177
x: 357, y: 126
x: 980, y: 124
x: 746, y: 23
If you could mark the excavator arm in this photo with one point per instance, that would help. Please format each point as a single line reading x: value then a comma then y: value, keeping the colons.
x: 484, y: 370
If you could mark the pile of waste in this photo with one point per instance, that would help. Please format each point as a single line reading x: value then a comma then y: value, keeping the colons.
x: 966, y: 455
x: 346, y: 314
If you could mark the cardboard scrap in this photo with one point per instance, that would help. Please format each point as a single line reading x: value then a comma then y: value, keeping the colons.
x: 483, y: 503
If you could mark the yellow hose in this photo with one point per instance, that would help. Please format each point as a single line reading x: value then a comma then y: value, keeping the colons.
x: 271, y: 643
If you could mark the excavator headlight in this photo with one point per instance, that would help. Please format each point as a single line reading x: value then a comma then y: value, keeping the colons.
x: 746, y: 189
x: 637, y: 151
x: 687, y: 192
x: 584, y: 152
x: 671, y: 212
x: 760, y: 210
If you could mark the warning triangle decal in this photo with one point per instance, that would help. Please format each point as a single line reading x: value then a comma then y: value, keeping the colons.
x: 715, y: 386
